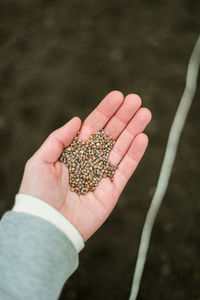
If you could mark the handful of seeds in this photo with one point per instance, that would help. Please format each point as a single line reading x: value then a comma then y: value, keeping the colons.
x: 87, y: 162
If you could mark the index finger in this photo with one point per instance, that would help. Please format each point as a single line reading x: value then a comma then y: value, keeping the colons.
x: 101, y: 114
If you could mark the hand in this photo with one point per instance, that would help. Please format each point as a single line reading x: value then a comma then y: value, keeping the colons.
x: 47, y: 179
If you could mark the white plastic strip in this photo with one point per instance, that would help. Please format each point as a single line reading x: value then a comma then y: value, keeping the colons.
x: 168, y: 161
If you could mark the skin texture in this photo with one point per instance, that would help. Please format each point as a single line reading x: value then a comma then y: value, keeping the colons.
x: 47, y: 179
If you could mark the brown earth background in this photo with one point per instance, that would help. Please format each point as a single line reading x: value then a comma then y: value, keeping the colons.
x: 57, y: 60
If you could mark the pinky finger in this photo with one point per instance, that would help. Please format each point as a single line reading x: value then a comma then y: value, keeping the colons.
x: 130, y: 161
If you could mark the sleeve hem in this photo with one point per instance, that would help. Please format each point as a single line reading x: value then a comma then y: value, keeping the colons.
x: 34, y: 206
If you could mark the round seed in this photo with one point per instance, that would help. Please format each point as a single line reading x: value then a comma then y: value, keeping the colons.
x: 87, y: 162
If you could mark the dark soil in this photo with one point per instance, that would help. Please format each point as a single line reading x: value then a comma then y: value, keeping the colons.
x: 57, y: 60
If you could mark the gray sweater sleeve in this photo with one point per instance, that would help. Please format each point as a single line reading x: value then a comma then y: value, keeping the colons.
x: 36, y: 258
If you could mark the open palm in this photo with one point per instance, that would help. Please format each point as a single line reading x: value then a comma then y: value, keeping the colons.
x: 47, y: 178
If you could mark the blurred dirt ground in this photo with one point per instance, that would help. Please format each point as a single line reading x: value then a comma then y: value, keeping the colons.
x: 57, y: 60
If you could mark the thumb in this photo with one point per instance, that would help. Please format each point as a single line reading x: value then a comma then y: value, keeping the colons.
x: 51, y: 149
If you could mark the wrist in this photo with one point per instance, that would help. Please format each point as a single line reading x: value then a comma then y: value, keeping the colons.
x: 34, y: 206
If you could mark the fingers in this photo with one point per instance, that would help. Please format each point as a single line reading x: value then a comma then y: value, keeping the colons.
x: 51, y: 149
x: 101, y: 115
x: 134, y: 127
x: 130, y: 161
x: 124, y: 114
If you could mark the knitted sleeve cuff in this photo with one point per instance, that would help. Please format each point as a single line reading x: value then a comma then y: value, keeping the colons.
x: 34, y: 206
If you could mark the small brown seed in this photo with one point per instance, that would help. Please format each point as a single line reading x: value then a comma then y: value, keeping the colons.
x: 87, y: 162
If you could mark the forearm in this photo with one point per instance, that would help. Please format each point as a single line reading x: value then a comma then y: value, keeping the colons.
x: 36, y: 257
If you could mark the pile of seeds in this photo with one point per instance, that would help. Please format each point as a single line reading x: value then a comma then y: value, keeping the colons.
x: 87, y: 162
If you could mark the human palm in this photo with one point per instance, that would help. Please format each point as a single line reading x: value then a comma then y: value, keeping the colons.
x: 47, y: 178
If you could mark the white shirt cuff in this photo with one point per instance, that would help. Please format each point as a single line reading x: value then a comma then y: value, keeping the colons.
x: 36, y: 207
